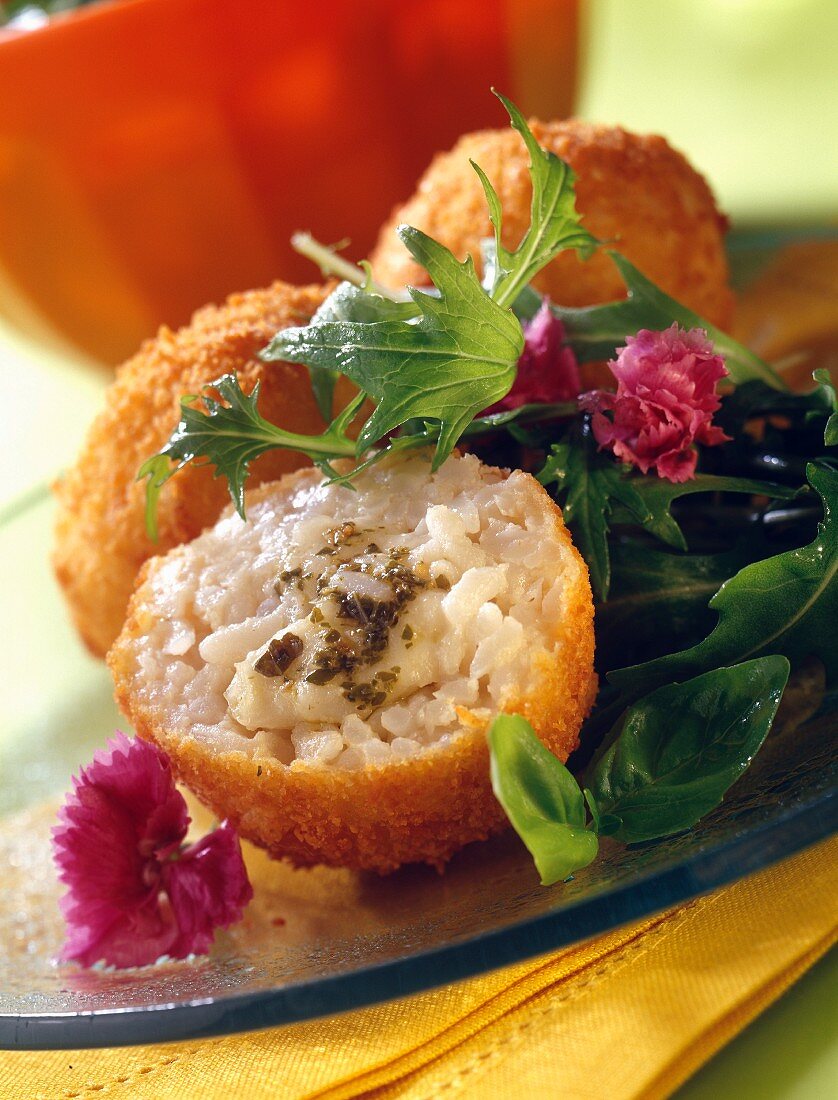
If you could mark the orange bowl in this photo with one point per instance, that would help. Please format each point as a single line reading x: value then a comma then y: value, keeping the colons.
x: 157, y: 154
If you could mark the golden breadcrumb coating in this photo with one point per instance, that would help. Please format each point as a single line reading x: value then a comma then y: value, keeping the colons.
x: 100, y: 532
x: 633, y: 190
x: 420, y: 809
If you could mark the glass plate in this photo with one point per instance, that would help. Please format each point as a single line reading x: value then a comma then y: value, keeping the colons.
x: 318, y: 942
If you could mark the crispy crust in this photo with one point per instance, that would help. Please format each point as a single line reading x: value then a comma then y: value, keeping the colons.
x: 632, y: 189
x: 100, y: 531
x: 418, y: 810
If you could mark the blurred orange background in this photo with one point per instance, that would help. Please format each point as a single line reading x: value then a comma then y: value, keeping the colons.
x: 157, y: 154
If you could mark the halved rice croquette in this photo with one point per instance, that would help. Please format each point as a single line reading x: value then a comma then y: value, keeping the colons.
x: 323, y: 674
x: 101, y: 540
x: 634, y: 191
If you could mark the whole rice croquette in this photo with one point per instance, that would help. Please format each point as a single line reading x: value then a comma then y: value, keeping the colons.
x: 634, y: 192
x: 101, y: 540
x: 324, y: 673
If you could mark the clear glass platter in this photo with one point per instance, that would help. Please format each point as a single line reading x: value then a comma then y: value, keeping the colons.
x: 319, y: 942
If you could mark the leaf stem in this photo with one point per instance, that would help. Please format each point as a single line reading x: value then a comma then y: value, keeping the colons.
x: 331, y: 263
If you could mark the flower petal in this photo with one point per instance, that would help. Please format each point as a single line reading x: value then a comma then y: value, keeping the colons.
x: 547, y: 369
x: 123, y: 809
x: 208, y: 888
x: 666, y: 397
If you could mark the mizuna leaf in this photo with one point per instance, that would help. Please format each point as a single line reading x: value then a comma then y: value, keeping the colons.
x: 588, y: 484
x: 230, y: 435
x: 458, y: 358
x: 554, y: 223
x: 658, y: 494
x: 347, y: 302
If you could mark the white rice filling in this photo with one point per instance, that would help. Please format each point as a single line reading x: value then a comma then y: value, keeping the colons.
x: 346, y: 627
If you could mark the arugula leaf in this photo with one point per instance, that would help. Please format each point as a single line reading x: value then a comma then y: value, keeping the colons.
x: 753, y: 400
x: 594, y: 332
x: 830, y: 396
x: 230, y: 435
x: 457, y: 359
x: 681, y: 748
x: 784, y: 604
x: 651, y: 587
x: 658, y: 494
x: 554, y: 223
x: 587, y: 483
x: 541, y: 799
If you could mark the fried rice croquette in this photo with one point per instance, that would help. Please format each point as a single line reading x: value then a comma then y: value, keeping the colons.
x: 634, y: 192
x: 323, y: 674
x: 101, y: 540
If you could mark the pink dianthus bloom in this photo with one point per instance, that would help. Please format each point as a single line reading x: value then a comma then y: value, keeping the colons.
x: 547, y: 368
x: 666, y: 397
x: 134, y: 892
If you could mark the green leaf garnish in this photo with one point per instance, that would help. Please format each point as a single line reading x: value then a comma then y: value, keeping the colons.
x: 596, y: 492
x: 755, y: 400
x: 784, y: 604
x: 352, y: 303
x: 458, y: 358
x: 679, y: 750
x: 594, y: 332
x: 827, y: 387
x: 554, y: 222
x: 541, y: 798
x: 671, y: 759
x: 658, y: 495
x: 658, y: 599
x: 436, y: 360
x: 229, y: 436
x: 587, y: 484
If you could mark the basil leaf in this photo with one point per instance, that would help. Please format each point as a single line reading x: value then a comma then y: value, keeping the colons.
x: 785, y: 604
x: 658, y: 494
x: 541, y: 798
x: 681, y: 748
x: 554, y: 223
x: 456, y: 360
x: 595, y: 332
x: 587, y: 484
x: 229, y: 436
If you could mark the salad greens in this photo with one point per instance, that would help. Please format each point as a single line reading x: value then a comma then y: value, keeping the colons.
x: 594, y: 490
x: 588, y: 484
x: 673, y: 757
x: 554, y: 223
x: 704, y: 592
x: 596, y: 331
x: 541, y: 799
x: 456, y: 360
x: 678, y: 750
x: 229, y: 436
x: 785, y: 604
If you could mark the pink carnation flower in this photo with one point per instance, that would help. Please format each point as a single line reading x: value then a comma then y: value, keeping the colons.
x: 665, y: 400
x: 547, y: 369
x: 134, y: 892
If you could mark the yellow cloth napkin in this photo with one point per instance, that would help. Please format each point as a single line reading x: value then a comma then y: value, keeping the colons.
x: 630, y: 1014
